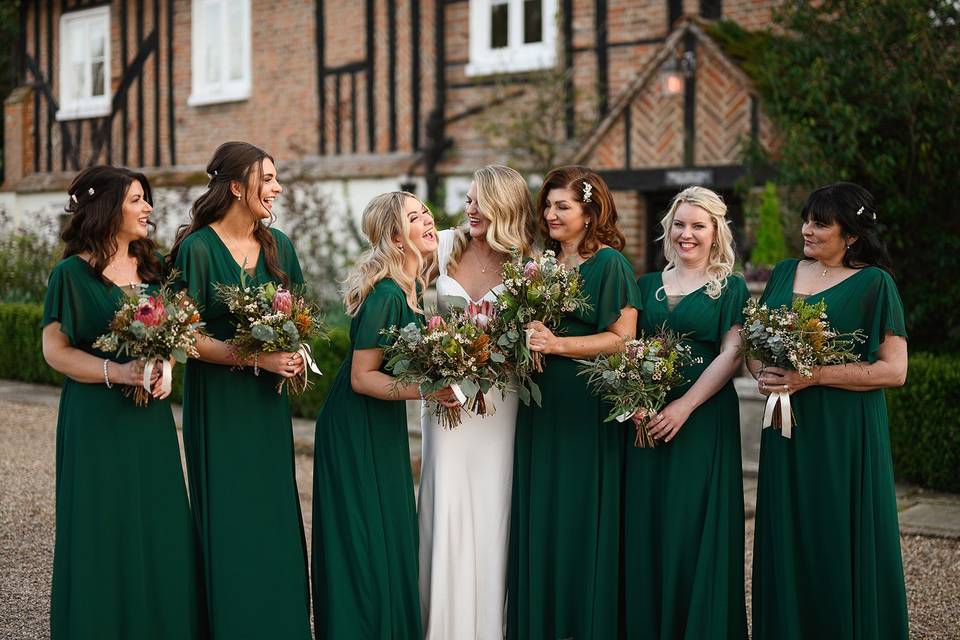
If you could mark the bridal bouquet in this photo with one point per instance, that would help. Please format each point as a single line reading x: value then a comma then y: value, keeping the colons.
x: 455, y: 351
x: 270, y: 318
x: 535, y: 289
x: 153, y: 328
x: 798, y: 338
x: 638, y: 379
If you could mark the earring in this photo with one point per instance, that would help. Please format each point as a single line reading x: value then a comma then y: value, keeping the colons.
x: 238, y: 196
x: 715, y: 245
x: 400, y: 246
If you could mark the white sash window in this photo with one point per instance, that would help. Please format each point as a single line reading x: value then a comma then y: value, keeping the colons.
x: 84, y: 64
x: 512, y: 36
x: 221, y: 51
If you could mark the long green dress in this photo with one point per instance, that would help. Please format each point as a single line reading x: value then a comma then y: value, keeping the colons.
x: 365, y: 575
x: 239, y: 446
x: 125, y: 561
x: 564, y: 567
x: 683, y: 513
x: 826, y: 559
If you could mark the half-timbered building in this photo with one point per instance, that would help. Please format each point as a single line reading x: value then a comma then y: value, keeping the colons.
x: 366, y: 95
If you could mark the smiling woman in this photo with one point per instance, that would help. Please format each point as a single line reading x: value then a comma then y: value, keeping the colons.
x: 125, y: 560
x: 236, y: 427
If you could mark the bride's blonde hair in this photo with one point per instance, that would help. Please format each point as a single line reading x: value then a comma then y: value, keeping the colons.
x: 502, y: 198
x: 384, y: 219
x: 721, y: 257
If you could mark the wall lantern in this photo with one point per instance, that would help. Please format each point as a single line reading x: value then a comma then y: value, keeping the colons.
x: 675, y: 72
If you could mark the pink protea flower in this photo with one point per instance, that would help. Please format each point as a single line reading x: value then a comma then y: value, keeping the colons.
x: 282, y: 301
x: 481, y: 313
x: 531, y: 269
x: 434, y: 323
x: 151, y: 312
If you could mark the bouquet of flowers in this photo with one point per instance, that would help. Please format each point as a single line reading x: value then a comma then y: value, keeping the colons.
x: 271, y: 318
x: 637, y: 379
x: 153, y: 327
x: 798, y: 338
x: 537, y: 289
x: 455, y: 351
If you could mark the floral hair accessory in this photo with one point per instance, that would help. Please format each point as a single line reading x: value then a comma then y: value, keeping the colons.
x: 73, y: 197
x: 90, y: 191
x: 587, y: 191
x: 873, y: 216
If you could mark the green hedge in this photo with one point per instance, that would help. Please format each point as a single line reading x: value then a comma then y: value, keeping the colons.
x: 21, y: 357
x: 924, y: 424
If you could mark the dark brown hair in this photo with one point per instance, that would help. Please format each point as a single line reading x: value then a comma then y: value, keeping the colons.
x: 95, y: 203
x: 601, y: 210
x: 854, y: 209
x: 232, y: 162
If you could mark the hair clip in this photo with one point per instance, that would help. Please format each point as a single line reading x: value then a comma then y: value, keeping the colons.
x: 73, y: 197
x: 873, y: 215
x: 90, y: 191
x: 860, y: 210
x: 214, y: 172
x: 587, y: 191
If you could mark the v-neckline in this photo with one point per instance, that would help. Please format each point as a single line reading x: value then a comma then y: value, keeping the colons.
x: 808, y: 296
x: 467, y: 293
x: 234, y: 260
x: 666, y: 297
x: 142, y: 285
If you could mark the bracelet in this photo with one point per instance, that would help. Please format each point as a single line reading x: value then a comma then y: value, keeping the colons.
x: 106, y: 374
x: 256, y: 364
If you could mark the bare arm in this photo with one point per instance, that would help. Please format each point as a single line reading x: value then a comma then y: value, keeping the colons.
x: 889, y: 370
x: 280, y: 362
x: 667, y: 423
x: 609, y: 341
x: 367, y: 379
x: 83, y: 367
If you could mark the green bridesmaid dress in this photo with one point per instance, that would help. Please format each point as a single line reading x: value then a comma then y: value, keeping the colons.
x: 564, y: 568
x: 683, y: 514
x: 365, y: 566
x: 239, y: 446
x: 125, y: 561
x: 826, y: 559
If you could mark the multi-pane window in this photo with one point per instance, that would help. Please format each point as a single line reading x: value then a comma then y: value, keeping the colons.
x: 221, y: 51
x: 511, y: 35
x: 84, y: 64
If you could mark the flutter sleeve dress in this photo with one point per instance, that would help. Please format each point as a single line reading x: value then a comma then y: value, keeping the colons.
x: 826, y: 560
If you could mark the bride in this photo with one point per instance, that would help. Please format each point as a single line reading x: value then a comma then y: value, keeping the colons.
x: 467, y: 473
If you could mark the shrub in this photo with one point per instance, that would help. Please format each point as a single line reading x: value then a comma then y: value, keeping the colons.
x: 770, y: 246
x: 27, y: 255
x: 924, y: 429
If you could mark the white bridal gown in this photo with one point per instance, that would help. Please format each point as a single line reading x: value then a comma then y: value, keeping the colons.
x: 464, y: 507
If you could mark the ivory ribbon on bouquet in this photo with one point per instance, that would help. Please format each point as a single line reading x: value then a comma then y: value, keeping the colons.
x: 306, y: 352
x: 166, y: 376
x: 457, y: 391
x: 786, y: 414
x: 527, y: 334
x: 623, y: 417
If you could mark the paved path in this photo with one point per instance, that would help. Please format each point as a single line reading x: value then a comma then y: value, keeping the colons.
x: 27, y: 436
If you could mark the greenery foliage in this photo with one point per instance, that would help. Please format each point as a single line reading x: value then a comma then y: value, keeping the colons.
x: 867, y: 91
x: 924, y: 427
x: 27, y: 254
x: 769, y: 247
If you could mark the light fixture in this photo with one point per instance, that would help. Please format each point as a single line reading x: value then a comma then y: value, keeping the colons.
x: 674, y: 73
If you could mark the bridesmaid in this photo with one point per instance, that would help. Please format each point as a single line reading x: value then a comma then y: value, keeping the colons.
x: 564, y: 576
x: 683, y: 519
x: 468, y: 472
x: 125, y: 561
x: 826, y: 560
x: 236, y: 428
x: 364, y: 511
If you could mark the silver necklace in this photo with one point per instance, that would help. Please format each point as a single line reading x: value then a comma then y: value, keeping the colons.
x: 483, y: 267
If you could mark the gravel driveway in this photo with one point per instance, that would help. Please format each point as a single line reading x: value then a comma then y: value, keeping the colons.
x: 27, y: 523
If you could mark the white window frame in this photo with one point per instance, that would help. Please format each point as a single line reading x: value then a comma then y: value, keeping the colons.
x: 203, y: 92
x: 517, y: 56
x: 87, y: 106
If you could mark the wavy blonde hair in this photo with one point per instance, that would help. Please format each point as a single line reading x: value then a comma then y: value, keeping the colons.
x: 383, y: 219
x: 504, y: 200
x: 721, y: 257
